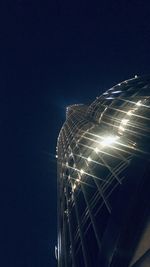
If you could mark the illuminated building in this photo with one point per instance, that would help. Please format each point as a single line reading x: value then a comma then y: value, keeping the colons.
x: 104, y: 179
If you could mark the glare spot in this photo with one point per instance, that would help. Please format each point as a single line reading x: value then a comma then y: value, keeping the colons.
x: 109, y: 98
x: 121, y: 128
x: 74, y: 186
x: 109, y: 140
x: 129, y: 113
x: 116, y: 92
x: 139, y: 103
x: 81, y: 171
x: 96, y: 149
x: 89, y: 159
x: 105, y: 93
x: 124, y: 121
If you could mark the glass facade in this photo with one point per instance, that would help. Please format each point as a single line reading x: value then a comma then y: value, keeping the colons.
x: 103, y: 153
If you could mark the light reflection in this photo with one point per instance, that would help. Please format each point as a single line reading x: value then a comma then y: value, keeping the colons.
x: 74, y: 186
x: 81, y: 171
x: 121, y: 128
x: 139, y: 103
x: 124, y: 121
x: 129, y: 113
x: 116, y: 92
x: 89, y: 159
x: 96, y: 149
x: 109, y: 140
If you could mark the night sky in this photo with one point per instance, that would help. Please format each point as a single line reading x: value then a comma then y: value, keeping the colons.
x: 53, y: 54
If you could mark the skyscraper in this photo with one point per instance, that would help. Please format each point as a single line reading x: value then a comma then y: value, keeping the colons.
x: 103, y: 155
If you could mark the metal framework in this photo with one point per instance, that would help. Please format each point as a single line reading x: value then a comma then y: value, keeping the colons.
x: 97, y: 148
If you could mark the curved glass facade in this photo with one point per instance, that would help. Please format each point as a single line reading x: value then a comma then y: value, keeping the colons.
x: 103, y: 179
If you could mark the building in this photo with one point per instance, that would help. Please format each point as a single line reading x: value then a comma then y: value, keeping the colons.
x: 103, y: 153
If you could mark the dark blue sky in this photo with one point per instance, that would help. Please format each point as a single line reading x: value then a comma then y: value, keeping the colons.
x: 53, y: 54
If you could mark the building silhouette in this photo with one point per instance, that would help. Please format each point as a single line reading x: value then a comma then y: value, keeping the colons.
x: 103, y: 153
